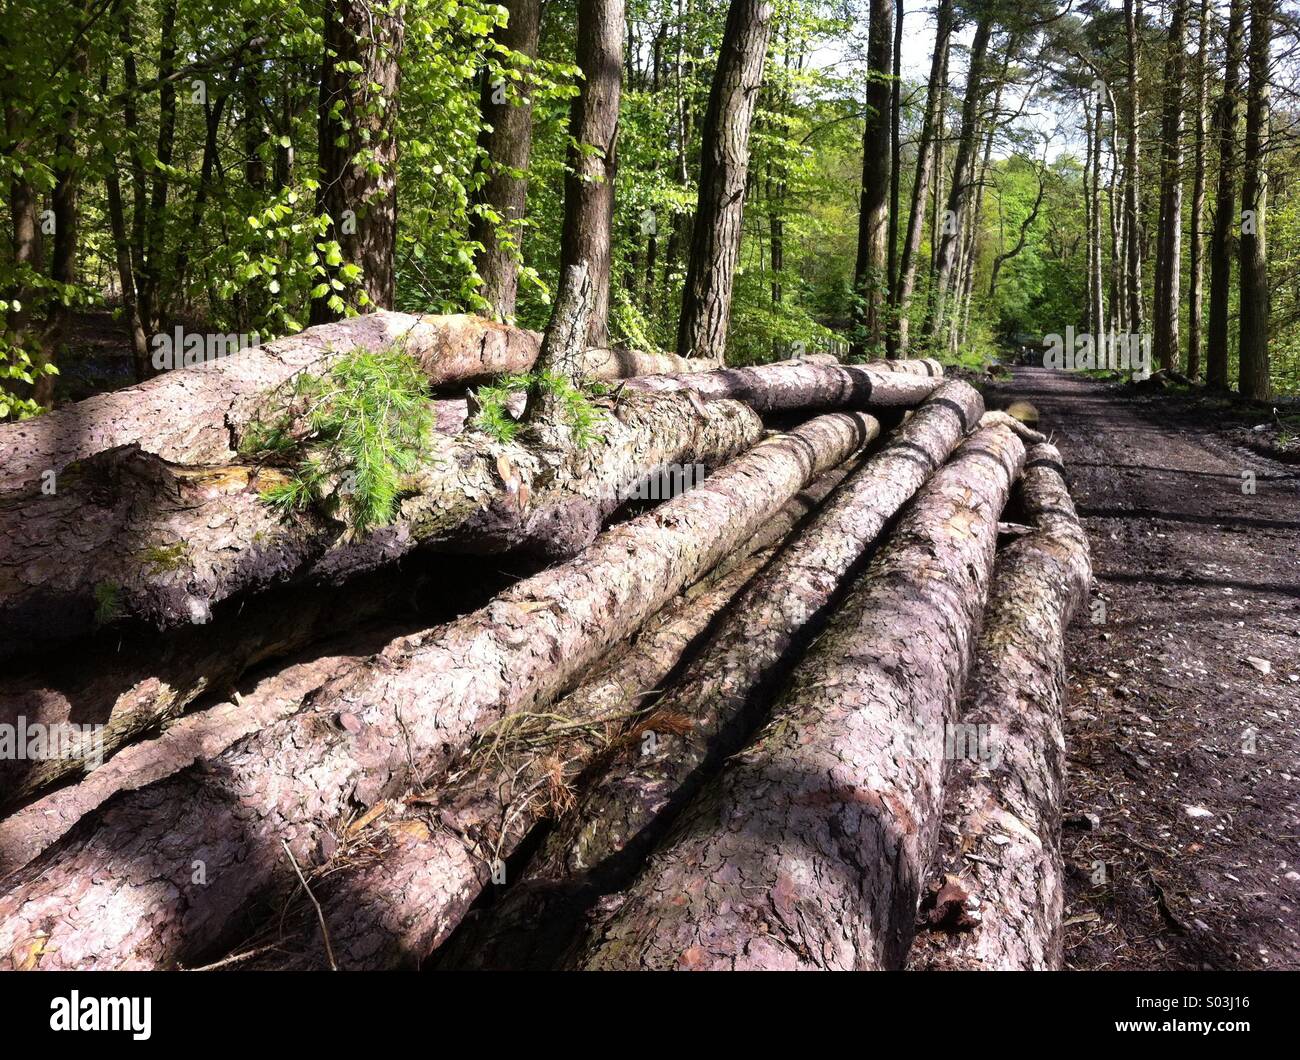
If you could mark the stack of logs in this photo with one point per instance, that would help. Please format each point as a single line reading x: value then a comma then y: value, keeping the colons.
x: 528, y: 723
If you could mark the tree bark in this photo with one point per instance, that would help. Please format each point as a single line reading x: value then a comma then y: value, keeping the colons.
x: 436, y: 851
x: 372, y: 732
x: 724, y: 168
x: 1010, y: 768
x: 198, y: 415
x: 592, y: 158
x: 596, y: 847
x: 1225, y: 203
x: 506, y: 143
x: 807, y: 850
x: 164, y: 543
x: 871, y: 275
x: 358, y: 135
x: 1196, y: 251
x: 962, y: 181
x: 1169, y: 258
x: 926, y: 160
x: 1132, y: 174
x: 1252, y: 370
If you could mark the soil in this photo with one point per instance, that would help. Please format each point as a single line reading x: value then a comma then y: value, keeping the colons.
x: 1182, y: 815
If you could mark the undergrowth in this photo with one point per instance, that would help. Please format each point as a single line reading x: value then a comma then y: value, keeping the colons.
x: 348, y: 437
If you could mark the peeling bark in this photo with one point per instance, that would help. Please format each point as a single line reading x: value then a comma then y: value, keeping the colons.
x: 427, y: 858
x: 131, y: 535
x: 718, y: 699
x: 806, y: 851
x: 373, y: 731
x: 1008, y: 808
x: 195, y: 415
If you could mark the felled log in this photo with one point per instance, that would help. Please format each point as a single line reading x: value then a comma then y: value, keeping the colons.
x: 801, y: 385
x: 174, y: 862
x: 122, y: 684
x: 405, y: 877
x: 596, y: 847
x: 807, y: 849
x: 129, y: 535
x: 190, y: 415
x: 998, y: 902
x: 198, y: 736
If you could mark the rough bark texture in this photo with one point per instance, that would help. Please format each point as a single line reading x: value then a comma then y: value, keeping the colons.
x: 1006, y: 800
x: 372, y: 732
x: 429, y: 857
x: 1169, y: 259
x: 506, y: 141
x: 808, y: 386
x: 806, y: 851
x: 196, y: 415
x: 130, y: 535
x: 592, y: 160
x: 133, y: 680
x: 717, y: 700
x: 724, y: 169
x: 358, y: 147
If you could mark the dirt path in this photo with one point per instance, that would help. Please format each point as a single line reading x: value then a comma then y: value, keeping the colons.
x: 1182, y: 835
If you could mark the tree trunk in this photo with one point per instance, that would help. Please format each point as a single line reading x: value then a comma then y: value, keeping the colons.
x: 806, y: 851
x: 1225, y: 203
x: 927, y: 155
x: 895, y: 169
x: 131, y: 536
x: 1253, y: 372
x: 1197, y: 249
x: 198, y: 415
x: 1133, y: 177
x: 871, y: 275
x: 506, y: 144
x: 358, y: 152
x: 370, y: 733
x: 962, y: 181
x: 724, y: 168
x: 439, y: 849
x: 597, y: 846
x: 1010, y: 767
x: 592, y: 156
x: 1169, y: 258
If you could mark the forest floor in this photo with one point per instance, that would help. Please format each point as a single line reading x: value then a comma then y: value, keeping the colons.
x: 1182, y: 814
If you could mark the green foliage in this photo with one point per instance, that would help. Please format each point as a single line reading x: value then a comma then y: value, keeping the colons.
x: 349, y: 437
x: 577, y: 411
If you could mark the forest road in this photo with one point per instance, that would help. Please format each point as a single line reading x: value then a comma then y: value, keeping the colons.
x: 1182, y: 810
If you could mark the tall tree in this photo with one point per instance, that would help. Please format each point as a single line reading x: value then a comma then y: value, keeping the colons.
x: 1225, y: 202
x: 1132, y: 163
x: 592, y: 159
x: 1168, y: 276
x: 358, y: 151
x: 1197, y: 248
x: 962, y: 181
x: 927, y: 154
x: 724, y: 167
x: 506, y: 142
x: 1253, y: 371
x: 871, y: 277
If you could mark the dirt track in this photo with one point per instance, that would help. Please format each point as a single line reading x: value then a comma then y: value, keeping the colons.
x: 1193, y: 576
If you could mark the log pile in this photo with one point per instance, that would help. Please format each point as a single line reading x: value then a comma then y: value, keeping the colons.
x: 530, y: 722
